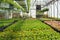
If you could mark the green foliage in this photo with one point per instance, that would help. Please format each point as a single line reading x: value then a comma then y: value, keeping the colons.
x: 46, y: 9
x: 14, y: 3
x: 28, y: 4
x: 4, y: 22
x: 29, y: 29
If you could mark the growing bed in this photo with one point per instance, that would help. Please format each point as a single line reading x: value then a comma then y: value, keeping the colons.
x: 4, y: 22
x: 29, y: 29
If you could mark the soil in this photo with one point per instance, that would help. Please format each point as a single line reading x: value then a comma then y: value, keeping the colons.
x: 54, y: 24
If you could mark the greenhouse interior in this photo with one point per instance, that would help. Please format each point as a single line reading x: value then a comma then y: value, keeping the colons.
x: 29, y: 19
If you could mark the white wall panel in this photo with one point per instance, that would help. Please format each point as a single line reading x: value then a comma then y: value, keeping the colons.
x: 59, y: 8
x: 56, y: 12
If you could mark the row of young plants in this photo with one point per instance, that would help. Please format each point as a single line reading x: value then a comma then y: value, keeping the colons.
x: 29, y: 29
x: 4, y: 22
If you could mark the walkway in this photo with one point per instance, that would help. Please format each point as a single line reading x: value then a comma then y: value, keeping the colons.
x: 54, y: 24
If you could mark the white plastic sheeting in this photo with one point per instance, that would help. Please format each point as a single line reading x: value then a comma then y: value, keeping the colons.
x: 50, y: 9
x: 21, y: 13
x: 33, y: 13
x: 59, y: 9
x: 10, y: 14
x: 7, y: 15
x: 5, y: 5
x: 33, y: 9
x: 54, y: 9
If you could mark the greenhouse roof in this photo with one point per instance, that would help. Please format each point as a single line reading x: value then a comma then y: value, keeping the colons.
x: 26, y: 5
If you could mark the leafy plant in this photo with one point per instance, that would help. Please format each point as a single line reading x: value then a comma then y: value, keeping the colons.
x: 30, y: 29
x: 46, y: 9
x: 14, y: 3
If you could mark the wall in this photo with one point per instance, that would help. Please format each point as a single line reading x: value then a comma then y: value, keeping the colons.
x: 33, y: 9
x: 54, y: 9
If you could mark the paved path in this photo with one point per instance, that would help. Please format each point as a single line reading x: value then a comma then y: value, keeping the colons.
x: 54, y: 24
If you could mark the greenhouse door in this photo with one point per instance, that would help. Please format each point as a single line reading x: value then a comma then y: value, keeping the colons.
x: 38, y: 8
